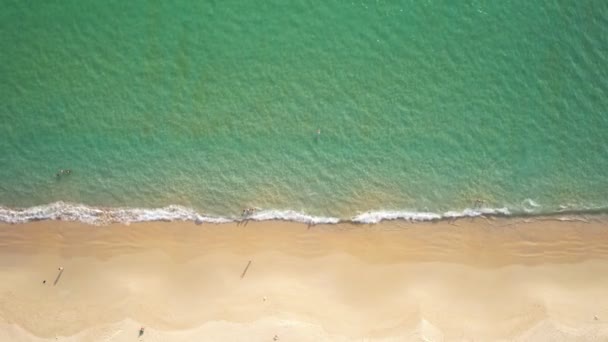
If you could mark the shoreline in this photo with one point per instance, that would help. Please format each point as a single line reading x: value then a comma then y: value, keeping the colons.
x: 394, y: 280
x: 75, y: 212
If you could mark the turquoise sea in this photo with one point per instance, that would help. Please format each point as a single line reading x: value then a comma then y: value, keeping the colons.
x: 306, y: 110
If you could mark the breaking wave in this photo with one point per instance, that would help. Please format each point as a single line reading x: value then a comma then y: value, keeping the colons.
x: 99, y: 215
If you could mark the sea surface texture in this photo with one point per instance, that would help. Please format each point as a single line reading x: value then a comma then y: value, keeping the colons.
x: 310, y: 109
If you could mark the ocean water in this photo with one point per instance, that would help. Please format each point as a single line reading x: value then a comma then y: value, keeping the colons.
x: 307, y: 110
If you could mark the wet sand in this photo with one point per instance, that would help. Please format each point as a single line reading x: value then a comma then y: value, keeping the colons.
x: 482, y: 279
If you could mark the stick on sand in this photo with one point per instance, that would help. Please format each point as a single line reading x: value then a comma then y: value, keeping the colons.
x: 246, y: 268
x: 58, y: 276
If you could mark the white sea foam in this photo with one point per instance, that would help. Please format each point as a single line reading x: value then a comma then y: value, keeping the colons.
x: 529, y: 205
x: 99, y: 215
x: 290, y: 215
x: 377, y: 216
x: 530, y: 202
x: 92, y: 215
x: 474, y: 212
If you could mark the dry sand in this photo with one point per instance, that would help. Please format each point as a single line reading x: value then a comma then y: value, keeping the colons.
x: 481, y: 280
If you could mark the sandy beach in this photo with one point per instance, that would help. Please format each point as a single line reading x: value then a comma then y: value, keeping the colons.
x: 483, y: 280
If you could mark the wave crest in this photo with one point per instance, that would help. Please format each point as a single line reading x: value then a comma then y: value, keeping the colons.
x: 92, y: 215
x: 290, y: 215
x: 378, y: 216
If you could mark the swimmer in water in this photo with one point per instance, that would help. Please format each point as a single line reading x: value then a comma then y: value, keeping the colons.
x: 248, y: 211
x: 63, y: 172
